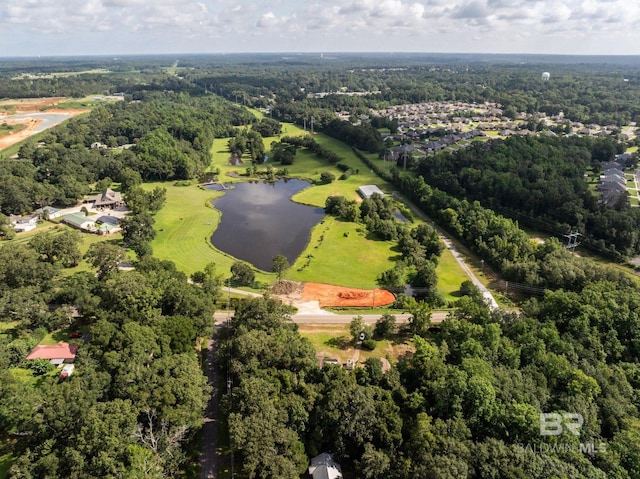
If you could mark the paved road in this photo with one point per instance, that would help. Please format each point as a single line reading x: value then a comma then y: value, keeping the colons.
x: 488, y: 297
x: 209, y: 458
x: 436, y: 317
x: 48, y: 120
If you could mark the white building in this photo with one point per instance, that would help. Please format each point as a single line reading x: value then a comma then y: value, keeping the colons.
x: 367, y: 191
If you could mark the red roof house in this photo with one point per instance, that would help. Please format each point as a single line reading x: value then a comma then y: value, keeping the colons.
x: 56, y: 353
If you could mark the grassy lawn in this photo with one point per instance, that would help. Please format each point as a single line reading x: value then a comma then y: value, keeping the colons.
x: 450, y: 276
x: 334, y: 341
x: 184, y: 227
x: 61, y: 335
x: 342, y: 255
x: 186, y: 223
x: 6, y: 326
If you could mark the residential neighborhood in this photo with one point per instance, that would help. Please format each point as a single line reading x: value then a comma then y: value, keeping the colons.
x: 99, y: 214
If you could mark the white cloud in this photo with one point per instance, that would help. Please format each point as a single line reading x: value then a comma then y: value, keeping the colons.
x: 454, y: 25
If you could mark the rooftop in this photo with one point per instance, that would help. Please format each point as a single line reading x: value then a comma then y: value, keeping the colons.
x: 368, y: 190
x: 61, y: 350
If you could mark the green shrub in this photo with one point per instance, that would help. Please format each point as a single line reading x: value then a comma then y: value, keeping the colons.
x: 39, y: 366
x: 327, y: 177
x: 369, y: 344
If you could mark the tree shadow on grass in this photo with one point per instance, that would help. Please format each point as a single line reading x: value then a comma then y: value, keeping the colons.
x: 61, y: 335
x: 342, y: 342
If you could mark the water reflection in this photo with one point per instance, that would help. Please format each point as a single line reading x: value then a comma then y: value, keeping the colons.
x: 259, y: 221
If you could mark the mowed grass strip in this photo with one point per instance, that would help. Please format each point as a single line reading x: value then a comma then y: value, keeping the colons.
x: 342, y: 255
x: 450, y: 276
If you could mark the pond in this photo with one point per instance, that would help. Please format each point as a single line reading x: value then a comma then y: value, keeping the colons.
x: 260, y: 221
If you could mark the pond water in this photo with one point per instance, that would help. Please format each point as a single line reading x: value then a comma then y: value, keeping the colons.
x: 259, y: 221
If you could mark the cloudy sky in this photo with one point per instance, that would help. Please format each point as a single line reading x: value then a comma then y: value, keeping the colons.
x: 85, y: 27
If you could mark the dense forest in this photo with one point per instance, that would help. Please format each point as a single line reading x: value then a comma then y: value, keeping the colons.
x: 463, y: 405
x: 136, y: 398
x: 540, y: 181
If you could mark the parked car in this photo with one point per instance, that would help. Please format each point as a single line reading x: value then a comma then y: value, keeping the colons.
x: 67, y: 371
x: 75, y: 334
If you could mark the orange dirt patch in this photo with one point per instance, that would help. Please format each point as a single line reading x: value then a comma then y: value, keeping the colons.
x: 330, y: 295
x: 26, y: 105
x: 31, y: 124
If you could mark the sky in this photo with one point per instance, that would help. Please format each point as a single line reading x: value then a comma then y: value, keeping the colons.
x: 112, y: 27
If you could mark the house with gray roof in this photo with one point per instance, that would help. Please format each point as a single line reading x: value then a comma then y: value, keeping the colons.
x: 367, y: 191
x: 48, y: 213
x: 324, y: 467
x: 108, y: 199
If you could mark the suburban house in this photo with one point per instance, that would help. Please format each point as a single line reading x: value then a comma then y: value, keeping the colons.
x: 22, y: 224
x: 613, y: 183
x: 324, y: 467
x: 48, y: 213
x: 58, y: 354
x: 367, y: 191
x: 80, y: 221
x: 108, y: 199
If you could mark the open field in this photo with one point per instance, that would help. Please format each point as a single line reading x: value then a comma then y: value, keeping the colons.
x: 334, y: 341
x: 339, y: 253
x: 95, y: 71
x: 450, y: 276
x: 24, y: 105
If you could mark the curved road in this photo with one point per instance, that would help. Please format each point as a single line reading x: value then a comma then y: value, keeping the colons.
x: 488, y: 297
x: 47, y: 120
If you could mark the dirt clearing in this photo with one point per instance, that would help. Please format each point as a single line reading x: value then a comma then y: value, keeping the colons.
x: 330, y: 295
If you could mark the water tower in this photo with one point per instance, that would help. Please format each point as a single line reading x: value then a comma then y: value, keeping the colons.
x: 546, y: 76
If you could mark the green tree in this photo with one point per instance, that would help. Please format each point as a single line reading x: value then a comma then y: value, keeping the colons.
x: 356, y: 327
x: 137, y: 233
x: 7, y: 231
x: 327, y: 177
x: 129, y: 178
x: 420, y: 318
x: 105, y: 257
x: 280, y: 265
x: 283, y: 153
x: 242, y: 273
x: 385, y: 326
x: 63, y: 248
